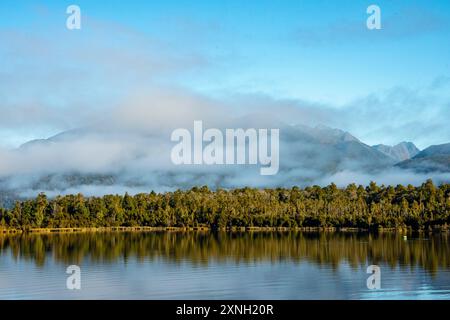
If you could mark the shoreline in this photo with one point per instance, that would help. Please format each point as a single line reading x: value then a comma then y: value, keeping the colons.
x: 439, y: 229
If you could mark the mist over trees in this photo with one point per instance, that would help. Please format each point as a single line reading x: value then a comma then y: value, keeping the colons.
x: 370, y: 207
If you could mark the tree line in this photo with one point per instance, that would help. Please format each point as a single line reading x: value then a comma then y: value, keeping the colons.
x: 370, y: 207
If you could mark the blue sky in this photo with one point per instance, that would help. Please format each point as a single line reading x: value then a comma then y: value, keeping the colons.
x: 315, y: 52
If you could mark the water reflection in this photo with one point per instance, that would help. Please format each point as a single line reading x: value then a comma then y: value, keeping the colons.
x: 428, y: 252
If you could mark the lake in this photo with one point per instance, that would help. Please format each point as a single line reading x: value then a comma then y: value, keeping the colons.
x: 206, y: 265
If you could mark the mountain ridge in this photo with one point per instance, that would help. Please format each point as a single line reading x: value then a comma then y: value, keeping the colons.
x: 399, y: 152
x: 434, y: 158
x: 309, y: 155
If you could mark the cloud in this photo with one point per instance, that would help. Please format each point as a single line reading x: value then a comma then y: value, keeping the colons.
x: 387, y: 177
x: 128, y: 149
x: 440, y: 82
x: 116, y: 94
x: 399, y: 114
x: 409, y: 22
x: 61, y: 79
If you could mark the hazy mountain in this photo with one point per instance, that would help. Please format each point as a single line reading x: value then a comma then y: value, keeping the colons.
x: 437, y: 150
x: 321, y: 151
x: 101, y: 161
x: 60, y: 137
x: 324, y: 134
x: 400, y: 152
x: 434, y: 158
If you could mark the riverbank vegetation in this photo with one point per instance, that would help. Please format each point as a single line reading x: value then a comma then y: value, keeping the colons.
x: 416, y: 208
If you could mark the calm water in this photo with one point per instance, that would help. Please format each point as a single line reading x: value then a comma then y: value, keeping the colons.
x: 224, y: 266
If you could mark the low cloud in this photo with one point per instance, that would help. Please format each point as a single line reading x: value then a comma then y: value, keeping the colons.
x: 116, y: 134
x: 129, y: 149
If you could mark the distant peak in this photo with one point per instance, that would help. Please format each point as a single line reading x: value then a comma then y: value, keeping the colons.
x: 402, y: 151
x: 327, y: 135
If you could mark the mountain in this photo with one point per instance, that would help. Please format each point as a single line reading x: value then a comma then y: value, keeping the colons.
x: 94, y: 161
x: 315, y: 152
x: 73, y: 134
x: 437, y: 150
x: 432, y: 159
x: 90, y: 157
x: 400, y: 152
x: 324, y: 134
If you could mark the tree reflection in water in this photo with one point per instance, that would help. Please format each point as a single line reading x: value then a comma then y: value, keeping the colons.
x: 429, y: 252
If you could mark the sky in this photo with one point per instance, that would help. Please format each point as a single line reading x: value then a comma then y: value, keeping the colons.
x: 317, y: 57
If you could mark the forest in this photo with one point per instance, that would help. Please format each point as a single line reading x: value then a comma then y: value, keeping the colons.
x: 371, y: 207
